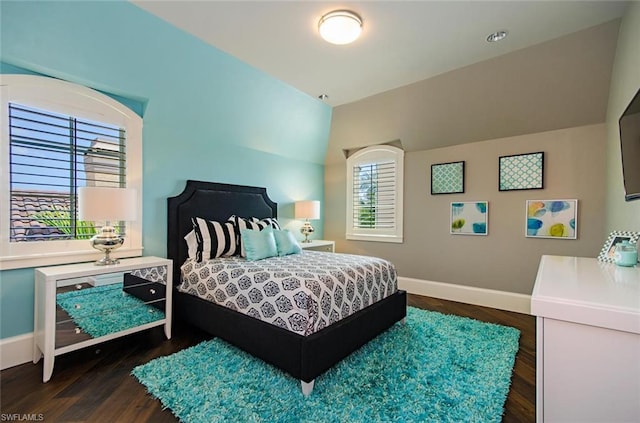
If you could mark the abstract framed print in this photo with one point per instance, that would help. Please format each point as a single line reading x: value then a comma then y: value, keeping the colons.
x: 469, y: 218
x: 555, y: 219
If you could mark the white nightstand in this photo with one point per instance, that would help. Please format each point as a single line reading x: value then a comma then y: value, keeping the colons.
x: 79, y: 305
x: 319, y: 245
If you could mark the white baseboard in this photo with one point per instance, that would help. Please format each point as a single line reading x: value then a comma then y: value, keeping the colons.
x: 16, y: 350
x: 502, y: 300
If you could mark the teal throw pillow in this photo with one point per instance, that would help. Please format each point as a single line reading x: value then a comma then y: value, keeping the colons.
x: 258, y: 244
x: 286, y: 242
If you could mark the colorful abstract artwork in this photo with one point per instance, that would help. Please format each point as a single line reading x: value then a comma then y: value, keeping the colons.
x: 521, y: 171
x: 470, y: 218
x: 556, y: 219
x: 447, y: 178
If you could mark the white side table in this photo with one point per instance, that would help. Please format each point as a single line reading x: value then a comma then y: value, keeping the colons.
x: 319, y: 245
x: 136, y: 285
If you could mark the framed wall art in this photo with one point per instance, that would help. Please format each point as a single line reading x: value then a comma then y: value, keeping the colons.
x: 607, y: 254
x: 555, y: 219
x: 447, y: 178
x: 469, y: 218
x: 521, y: 171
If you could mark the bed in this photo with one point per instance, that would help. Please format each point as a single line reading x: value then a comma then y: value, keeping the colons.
x: 304, y: 357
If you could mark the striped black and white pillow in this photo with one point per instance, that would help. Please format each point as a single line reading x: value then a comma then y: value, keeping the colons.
x: 242, y: 223
x: 270, y: 221
x: 215, y: 239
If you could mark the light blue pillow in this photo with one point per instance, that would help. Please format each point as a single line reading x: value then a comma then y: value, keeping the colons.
x: 258, y: 244
x: 286, y: 242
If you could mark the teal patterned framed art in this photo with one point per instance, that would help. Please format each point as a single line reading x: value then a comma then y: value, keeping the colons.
x: 521, y: 171
x: 447, y: 178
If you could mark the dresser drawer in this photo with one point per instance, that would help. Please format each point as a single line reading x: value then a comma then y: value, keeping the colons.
x: 149, y: 292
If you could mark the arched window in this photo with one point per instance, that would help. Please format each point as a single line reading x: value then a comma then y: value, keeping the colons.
x: 374, y: 194
x: 56, y: 137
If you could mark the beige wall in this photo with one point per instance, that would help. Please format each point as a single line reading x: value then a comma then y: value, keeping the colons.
x: 551, y: 97
x: 625, y: 81
x: 505, y: 259
x: 562, y: 83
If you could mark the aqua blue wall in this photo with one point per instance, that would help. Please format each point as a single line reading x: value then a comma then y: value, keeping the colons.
x: 207, y: 116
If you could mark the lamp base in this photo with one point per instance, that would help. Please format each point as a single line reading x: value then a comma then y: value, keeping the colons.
x: 106, y: 261
x: 306, y: 230
x: 107, y: 240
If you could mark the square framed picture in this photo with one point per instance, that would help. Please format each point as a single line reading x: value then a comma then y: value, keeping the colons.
x: 555, y: 219
x: 469, y: 218
x: 521, y: 171
x: 607, y: 254
x: 447, y: 178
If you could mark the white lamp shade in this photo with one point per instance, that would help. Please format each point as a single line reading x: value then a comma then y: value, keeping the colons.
x: 307, y: 210
x: 108, y: 204
x: 340, y: 27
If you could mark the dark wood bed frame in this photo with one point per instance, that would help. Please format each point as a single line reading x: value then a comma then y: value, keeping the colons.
x: 303, y: 357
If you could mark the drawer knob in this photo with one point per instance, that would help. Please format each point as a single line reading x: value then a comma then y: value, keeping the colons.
x: 153, y: 291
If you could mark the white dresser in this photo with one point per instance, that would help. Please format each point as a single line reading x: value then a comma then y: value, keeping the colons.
x: 588, y: 341
x: 102, y: 303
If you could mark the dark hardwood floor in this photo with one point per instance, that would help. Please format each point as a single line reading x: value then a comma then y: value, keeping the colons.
x: 95, y: 385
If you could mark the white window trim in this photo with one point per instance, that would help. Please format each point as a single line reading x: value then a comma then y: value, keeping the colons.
x: 75, y: 100
x: 368, y: 155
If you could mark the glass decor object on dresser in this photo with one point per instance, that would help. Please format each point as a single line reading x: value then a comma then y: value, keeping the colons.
x: 80, y: 305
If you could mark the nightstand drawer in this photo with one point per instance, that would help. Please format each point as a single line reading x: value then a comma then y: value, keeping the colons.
x: 326, y: 248
x: 319, y: 245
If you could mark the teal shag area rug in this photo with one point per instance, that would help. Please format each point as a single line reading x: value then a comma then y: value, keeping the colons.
x: 434, y: 368
x: 107, y: 309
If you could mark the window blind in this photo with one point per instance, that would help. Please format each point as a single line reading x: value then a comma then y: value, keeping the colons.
x: 374, y: 195
x: 51, y: 155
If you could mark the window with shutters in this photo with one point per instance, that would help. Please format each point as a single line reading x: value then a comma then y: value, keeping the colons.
x: 57, y: 137
x: 374, y: 194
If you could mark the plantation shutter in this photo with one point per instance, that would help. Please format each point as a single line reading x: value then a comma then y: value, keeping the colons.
x: 374, y: 195
x: 51, y: 155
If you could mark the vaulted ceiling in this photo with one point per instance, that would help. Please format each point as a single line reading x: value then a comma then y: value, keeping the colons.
x: 402, y: 41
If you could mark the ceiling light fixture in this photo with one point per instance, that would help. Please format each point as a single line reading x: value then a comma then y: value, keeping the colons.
x: 497, y: 36
x: 340, y: 27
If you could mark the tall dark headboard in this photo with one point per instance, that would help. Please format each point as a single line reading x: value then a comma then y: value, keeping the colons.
x: 211, y: 201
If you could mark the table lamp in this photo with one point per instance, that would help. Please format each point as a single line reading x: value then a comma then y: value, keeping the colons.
x: 104, y: 204
x: 307, y: 210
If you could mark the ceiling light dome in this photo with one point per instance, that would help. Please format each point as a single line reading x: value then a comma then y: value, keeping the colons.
x: 340, y: 27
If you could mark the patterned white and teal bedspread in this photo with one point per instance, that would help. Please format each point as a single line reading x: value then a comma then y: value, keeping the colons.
x: 303, y: 293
